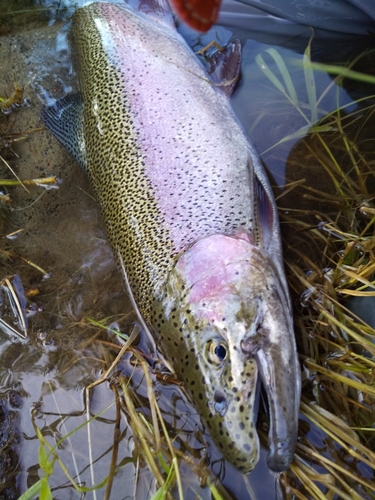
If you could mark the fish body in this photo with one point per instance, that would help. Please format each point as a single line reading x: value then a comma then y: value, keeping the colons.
x: 190, y: 216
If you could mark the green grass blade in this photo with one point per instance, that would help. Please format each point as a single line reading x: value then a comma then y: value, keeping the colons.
x: 343, y: 72
x: 310, y: 82
x: 300, y: 133
x: 162, y: 492
x: 44, y: 463
x: 269, y: 74
x: 45, y: 490
x: 32, y: 491
x: 281, y: 66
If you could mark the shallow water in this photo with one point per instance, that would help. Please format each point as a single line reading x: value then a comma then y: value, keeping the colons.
x: 42, y: 378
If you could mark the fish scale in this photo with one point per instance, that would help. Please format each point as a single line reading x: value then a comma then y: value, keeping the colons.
x: 190, y: 216
x: 195, y: 199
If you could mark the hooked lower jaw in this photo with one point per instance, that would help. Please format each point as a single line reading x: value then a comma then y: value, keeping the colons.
x: 282, y: 385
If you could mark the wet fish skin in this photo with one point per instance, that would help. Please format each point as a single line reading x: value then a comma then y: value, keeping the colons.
x: 191, y: 217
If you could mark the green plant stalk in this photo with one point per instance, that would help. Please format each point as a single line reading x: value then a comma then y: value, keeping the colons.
x: 106, y: 328
x: 141, y: 431
x: 214, y: 491
x: 32, y: 491
x: 343, y: 72
x: 31, y: 182
x: 310, y: 82
x: 153, y: 403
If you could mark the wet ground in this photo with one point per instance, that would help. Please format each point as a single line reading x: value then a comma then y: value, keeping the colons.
x: 43, y: 377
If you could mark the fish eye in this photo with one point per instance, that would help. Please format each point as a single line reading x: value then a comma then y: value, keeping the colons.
x: 217, y: 352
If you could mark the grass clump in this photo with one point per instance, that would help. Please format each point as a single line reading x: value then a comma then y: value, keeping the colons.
x: 158, y: 450
x: 327, y: 215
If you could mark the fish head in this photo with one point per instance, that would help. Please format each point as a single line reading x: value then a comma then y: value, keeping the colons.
x: 226, y: 323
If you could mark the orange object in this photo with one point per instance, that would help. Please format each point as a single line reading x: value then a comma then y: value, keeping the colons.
x: 198, y: 14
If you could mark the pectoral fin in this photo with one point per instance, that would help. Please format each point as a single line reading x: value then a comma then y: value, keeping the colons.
x: 65, y: 120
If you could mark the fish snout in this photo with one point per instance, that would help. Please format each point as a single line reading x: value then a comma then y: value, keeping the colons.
x: 280, y: 455
x: 271, y: 345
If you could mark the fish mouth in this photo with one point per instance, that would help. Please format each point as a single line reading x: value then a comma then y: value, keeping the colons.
x: 274, y: 351
x: 283, y: 405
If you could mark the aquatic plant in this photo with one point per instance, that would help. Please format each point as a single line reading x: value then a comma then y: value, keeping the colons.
x: 328, y: 219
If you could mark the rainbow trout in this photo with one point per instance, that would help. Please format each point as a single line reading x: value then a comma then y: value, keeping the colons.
x: 191, y: 217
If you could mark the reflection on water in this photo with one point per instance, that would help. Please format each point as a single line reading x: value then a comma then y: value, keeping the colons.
x: 42, y: 379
